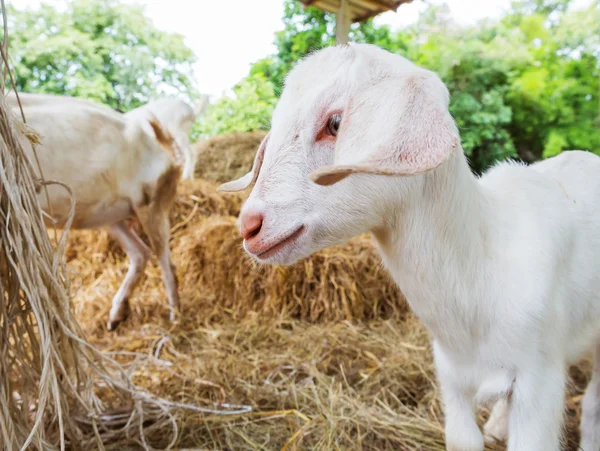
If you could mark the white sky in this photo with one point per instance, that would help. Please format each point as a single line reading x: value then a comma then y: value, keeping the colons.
x: 228, y: 36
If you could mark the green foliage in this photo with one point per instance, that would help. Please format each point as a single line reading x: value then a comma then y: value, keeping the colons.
x: 98, y: 49
x: 249, y: 109
x: 309, y: 29
x: 524, y: 87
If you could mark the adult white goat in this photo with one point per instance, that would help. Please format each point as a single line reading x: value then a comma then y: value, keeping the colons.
x: 174, y: 116
x: 116, y: 171
x: 503, y: 270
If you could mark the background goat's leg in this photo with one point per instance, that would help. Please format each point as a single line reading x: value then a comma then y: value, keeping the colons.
x: 496, y: 428
x: 138, y: 254
x: 156, y: 225
x: 590, y: 418
x: 155, y: 221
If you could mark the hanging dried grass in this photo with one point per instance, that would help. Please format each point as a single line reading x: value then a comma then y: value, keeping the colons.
x: 56, y: 390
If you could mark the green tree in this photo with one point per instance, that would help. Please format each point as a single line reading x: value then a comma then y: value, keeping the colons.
x: 525, y: 86
x: 554, y: 97
x: 250, y: 108
x: 97, y: 49
x: 309, y: 29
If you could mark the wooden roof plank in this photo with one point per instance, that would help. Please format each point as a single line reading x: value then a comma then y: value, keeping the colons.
x: 329, y: 7
x: 360, y: 10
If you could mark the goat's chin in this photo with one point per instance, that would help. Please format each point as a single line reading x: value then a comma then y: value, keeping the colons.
x: 276, y: 261
x: 285, y: 257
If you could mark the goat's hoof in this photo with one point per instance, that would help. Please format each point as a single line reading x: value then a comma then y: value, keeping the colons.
x: 113, y: 324
x: 493, y: 434
x: 174, y: 316
x: 118, y: 315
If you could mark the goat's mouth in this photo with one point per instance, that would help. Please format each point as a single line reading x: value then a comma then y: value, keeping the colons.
x: 273, y: 249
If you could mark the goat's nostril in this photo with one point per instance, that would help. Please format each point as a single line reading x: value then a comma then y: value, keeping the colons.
x: 251, y: 226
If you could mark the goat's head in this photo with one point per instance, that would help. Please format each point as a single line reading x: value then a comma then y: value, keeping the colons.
x: 348, y: 117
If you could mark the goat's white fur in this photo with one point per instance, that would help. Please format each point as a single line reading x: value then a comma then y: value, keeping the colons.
x: 173, y: 114
x: 115, y: 169
x: 503, y: 270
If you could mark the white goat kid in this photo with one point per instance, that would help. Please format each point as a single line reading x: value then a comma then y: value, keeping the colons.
x: 116, y: 171
x: 503, y: 270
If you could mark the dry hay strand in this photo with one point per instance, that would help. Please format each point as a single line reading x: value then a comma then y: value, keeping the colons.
x: 44, y: 366
x: 227, y: 157
x: 366, y: 385
x: 56, y: 390
x: 344, y: 385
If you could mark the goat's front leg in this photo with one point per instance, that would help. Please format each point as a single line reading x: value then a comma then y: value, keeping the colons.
x: 536, y: 409
x: 138, y: 254
x: 458, y: 398
x: 590, y: 418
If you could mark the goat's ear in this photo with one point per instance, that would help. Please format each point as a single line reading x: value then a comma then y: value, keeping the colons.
x: 248, y: 179
x: 399, y: 126
x: 165, y: 139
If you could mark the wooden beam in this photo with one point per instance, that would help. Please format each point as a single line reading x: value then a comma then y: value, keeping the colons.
x: 358, y: 10
x: 375, y: 4
x: 327, y: 7
x: 368, y: 15
x: 342, y: 22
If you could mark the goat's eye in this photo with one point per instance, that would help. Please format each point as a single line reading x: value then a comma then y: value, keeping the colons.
x: 333, y: 124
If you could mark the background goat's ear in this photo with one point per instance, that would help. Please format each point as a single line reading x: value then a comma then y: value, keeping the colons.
x: 399, y: 126
x: 162, y: 136
x: 248, y: 179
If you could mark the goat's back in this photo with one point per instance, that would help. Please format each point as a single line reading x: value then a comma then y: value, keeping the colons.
x: 104, y: 158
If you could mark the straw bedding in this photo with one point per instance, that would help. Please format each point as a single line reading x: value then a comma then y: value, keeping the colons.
x: 56, y: 391
x: 326, y: 352
x: 227, y: 157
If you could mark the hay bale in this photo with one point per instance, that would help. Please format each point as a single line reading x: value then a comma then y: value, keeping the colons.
x: 344, y: 282
x: 227, y: 157
x: 201, y: 196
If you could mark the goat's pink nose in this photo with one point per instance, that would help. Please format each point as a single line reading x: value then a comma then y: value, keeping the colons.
x: 251, y: 225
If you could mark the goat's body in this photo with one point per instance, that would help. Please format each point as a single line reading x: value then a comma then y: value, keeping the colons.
x: 115, y: 169
x: 503, y: 270
x: 174, y: 115
x: 94, y: 153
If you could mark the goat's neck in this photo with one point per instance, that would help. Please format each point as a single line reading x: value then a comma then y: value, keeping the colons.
x: 434, y: 244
